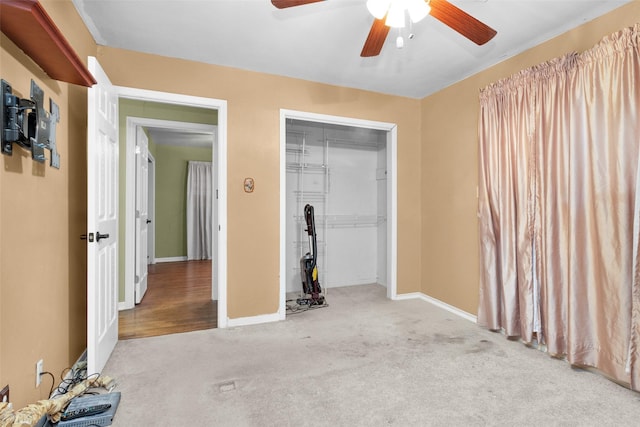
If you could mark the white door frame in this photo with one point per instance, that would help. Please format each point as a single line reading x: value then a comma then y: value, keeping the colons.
x: 219, y: 280
x: 141, y: 214
x: 151, y: 252
x: 392, y: 193
x: 132, y: 125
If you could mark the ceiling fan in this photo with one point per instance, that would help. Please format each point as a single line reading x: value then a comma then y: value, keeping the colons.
x: 442, y: 10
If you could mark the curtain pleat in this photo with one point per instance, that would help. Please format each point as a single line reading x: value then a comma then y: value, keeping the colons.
x: 505, y: 200
x: 199, y: 210
x: 559, y: 208
x: 553, y: 217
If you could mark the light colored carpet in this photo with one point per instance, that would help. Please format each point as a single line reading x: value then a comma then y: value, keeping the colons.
x: 362, y: 361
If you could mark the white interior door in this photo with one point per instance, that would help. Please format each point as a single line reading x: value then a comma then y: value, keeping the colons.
x: 142, y: 213
x: 102, y: 220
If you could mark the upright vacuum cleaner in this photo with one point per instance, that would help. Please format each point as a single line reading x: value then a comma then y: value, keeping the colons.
x: 308, y: 265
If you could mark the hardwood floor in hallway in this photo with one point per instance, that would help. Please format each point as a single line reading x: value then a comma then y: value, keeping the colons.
x: 178, y: 299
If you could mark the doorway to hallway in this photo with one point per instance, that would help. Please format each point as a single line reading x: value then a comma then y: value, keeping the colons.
x: 178, y: 300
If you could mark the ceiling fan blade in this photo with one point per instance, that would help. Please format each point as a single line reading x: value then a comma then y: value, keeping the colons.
x: 461, y: 21
x: 375, y: 39
x: 283, y: 4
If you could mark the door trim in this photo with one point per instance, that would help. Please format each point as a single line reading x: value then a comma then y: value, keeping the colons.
x: 132, y: 124
x: 219, y: 280
x: 392, y: 192
x: 151, y: 252
x: 138, y: 167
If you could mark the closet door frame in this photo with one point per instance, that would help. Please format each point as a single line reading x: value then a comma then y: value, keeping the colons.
x: 392, y: 190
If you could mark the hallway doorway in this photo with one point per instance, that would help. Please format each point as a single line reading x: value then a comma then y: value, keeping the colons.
x: 217, y: 134
x: 178, y: 300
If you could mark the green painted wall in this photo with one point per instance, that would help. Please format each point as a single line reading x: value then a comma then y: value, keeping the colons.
x: 171, y: 182
x: 150, y: 110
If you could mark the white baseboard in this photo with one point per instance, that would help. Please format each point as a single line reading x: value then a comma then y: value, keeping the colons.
x: 411, y: 295
x: 455, y: 310
x: 172, y: 259
x: 275, y: 317
x: 254, y: 320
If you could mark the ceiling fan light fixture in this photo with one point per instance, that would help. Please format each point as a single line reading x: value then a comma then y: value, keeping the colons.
x: 418, y: 10
x: 378, y: 8
x: 395, y: 16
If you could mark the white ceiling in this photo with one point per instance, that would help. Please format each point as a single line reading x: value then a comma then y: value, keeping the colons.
x: 322, y: 41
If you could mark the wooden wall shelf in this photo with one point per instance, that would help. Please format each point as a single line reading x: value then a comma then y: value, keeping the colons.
x: 29, y: 26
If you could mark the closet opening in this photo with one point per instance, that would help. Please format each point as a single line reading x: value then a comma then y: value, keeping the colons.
x: 345, y: 169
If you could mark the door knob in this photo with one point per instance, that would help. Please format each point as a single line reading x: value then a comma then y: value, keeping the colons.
x: 148, y: 221
x: 101, y: 236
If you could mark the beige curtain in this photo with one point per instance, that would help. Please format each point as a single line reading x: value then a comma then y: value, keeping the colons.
x: 559, y: 206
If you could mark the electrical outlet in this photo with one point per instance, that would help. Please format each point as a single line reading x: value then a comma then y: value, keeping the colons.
x: 4, y: 394
x: 39, y: 371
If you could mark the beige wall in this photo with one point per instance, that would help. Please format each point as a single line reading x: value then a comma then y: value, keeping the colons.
x: 254, y: 103
x: 43, y: 212
x: 450, y: 254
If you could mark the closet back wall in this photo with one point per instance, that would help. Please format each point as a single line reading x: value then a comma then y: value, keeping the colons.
x: 337, y: 170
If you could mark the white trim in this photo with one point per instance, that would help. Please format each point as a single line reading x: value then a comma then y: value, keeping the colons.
x: 132, y: 123
x: 169, y: 98
x: 392, y: 189
x: 455, y: 310
x: 220, y: 204
x: 172, y: 124
x: 171, y: 259
x: 336, y: 120
x: 253, y: 320
x: 129, y: 218
x: 282, y: 304
x: 410, y: 295
x: 220, y: 150
x: 392, y: 212
x: 151, y: 254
